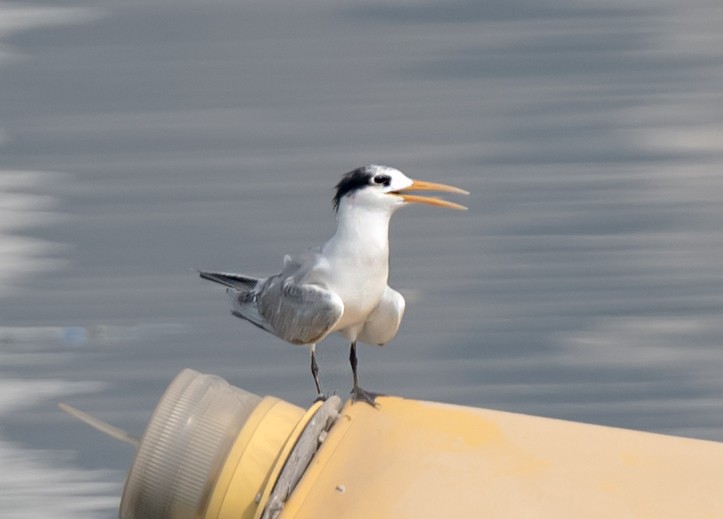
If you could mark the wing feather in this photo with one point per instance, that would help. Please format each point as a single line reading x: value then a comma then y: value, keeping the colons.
x: 298, y: 313
x: 290, y: 305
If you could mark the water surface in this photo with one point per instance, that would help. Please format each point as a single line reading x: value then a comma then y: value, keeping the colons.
x: 142, y: 140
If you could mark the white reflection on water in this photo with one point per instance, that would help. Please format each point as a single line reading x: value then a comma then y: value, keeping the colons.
x: 44, y: 482
x: 23, y: 207
x: 16, y: 18
x: 37, y: 482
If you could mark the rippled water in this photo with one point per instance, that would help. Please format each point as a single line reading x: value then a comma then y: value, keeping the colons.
x: 140, y: 140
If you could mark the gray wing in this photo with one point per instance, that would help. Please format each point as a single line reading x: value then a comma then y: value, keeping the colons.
x: 292, y: 305
x: 382, y: 324
x: 298, y: 313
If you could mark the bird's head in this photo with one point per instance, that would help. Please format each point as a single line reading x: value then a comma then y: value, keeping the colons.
x: 385, y: 187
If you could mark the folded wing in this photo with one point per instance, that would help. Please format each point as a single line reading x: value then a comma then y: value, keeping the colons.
x: 296, y: 313
x: 301, y: 314
x: 291, y: 305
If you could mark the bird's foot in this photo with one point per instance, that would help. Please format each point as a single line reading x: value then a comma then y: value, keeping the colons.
x: 362, y: 395
x: 320, y: 397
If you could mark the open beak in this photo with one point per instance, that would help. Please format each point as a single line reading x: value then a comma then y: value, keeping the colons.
x: 420, y: 185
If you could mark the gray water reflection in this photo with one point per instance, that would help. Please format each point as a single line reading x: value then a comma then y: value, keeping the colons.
x: 141, y: 140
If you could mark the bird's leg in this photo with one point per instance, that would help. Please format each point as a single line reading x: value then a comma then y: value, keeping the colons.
x: 315, y: 374
x: 357, y: 393
x: 353, y: 362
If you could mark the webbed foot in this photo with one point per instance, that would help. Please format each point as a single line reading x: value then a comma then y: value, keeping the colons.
x: 362, y: 395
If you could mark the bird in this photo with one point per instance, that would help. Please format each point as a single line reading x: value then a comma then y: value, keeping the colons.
x: 340, y: 286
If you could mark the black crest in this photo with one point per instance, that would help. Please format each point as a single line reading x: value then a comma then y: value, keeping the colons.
x: 356, y: 179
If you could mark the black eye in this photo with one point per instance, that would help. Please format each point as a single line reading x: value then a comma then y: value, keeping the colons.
x: 383, y: 179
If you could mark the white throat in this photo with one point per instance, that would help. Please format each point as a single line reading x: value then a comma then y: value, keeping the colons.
x: 362, y: 231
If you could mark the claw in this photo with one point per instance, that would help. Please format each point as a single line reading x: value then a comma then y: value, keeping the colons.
x: 362, y: 395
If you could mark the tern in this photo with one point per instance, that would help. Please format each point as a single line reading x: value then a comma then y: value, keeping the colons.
x: 340, y: 286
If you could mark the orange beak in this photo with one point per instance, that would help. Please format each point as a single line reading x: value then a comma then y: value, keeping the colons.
x: 420, y: 185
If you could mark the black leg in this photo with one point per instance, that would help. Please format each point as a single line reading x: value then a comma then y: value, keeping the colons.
x: 357, y: 393
x: 353, y: 362
x: 315, y: 374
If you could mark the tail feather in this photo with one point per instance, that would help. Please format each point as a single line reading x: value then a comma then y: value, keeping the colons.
x: 230, y: 280
x: 241, y: 291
